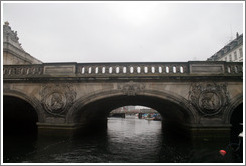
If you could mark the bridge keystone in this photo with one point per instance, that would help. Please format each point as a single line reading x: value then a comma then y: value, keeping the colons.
x: 131, y: 88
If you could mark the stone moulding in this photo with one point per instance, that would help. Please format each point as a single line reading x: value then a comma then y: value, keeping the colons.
x: 209, y: 98
x: 56, y: 99
x: 207, y: 68
x: 60, y: 70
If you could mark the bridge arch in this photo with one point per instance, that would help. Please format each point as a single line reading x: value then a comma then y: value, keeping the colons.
x: 155, y: 99
x: 235, y: 102
x: 28, y: 99
x: 234, y: 116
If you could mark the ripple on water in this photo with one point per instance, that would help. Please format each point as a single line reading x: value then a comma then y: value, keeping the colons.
x: 126, y: 141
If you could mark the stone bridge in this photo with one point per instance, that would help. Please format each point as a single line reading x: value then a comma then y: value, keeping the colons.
x: 195, y: 97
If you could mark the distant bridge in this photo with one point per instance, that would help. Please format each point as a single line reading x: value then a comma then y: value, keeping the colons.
x: 199, y: 97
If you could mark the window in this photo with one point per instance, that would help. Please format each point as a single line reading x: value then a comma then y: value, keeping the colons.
x: 235, y: 55
x: 241, y: 52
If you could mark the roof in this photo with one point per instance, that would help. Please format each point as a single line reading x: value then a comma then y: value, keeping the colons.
x: 227, y: 48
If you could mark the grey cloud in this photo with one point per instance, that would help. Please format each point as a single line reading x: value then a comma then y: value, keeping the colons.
x: 123, y: 31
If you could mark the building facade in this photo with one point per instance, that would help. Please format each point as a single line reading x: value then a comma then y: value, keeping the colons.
x: 13, y: 53
x: 232, y: 52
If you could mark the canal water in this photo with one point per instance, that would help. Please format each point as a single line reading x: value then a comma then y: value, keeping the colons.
x: 126, y: 140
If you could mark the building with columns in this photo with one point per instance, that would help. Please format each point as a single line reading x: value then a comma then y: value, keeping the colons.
x: 232, y: 52
x: 13, y: 53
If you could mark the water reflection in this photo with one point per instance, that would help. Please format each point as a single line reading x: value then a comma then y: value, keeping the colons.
x: 128, y: 140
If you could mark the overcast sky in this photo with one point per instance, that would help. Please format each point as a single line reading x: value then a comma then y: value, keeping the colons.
x: 124, y: 31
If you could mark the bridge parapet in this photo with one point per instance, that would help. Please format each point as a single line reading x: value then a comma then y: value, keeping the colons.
x: 133, y: 68
x: 124, y: 69
x: 22, y: 70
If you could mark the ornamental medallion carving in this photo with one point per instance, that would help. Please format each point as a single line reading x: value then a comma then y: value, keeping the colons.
x: 209, y: 98
x: 57, y: 98
x: 209, y: 101
x: 131, y: 88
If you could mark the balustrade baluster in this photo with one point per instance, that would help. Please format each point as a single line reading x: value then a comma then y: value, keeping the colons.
x: 177, y: 69
x: 93, y: 70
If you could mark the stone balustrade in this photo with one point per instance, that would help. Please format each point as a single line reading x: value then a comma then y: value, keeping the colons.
x: 123, y: 69
x: 132, y: 69
x: 232, y: 67
x: 22, y: 70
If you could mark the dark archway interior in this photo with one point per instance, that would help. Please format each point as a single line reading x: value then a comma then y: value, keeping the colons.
x: 96, y: 113
x: 19, y: 117
x: 236, y: 122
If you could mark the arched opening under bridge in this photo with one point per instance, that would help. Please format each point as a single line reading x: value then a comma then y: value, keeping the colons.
x: 19, y: 117
x: 19, y: 128
x: 236, y: 121
x: 139, y: 112
x: 94, y: 114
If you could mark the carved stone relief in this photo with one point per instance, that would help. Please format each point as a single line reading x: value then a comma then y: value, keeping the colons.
x: 57, y: 98
x: 209, y: 98
x: 131, y: 88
